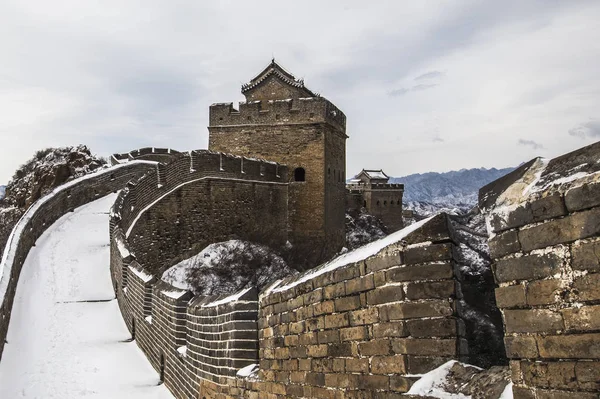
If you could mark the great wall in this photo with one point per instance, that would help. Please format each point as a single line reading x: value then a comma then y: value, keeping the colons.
x: 363, y: 325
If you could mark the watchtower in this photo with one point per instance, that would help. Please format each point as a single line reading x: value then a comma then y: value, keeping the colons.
x: 284, y: 121
x: 370, y: 189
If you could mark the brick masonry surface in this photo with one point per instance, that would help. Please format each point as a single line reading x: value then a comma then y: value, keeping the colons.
x: 546, y: 251
x: 357, y: 331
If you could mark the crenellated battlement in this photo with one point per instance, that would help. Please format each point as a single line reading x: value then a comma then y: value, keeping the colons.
x: 278, y: 112
x: 146, y: 153
x: 359, y: 187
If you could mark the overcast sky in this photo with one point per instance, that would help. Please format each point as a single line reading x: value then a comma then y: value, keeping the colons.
x: 425, y: 85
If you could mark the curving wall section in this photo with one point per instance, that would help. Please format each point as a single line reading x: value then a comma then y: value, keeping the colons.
x: 43, y: 213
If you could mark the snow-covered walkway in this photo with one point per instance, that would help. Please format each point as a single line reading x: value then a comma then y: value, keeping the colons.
x: 66, y: 337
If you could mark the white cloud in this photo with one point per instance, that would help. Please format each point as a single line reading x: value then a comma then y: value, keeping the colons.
x: 117, y: 75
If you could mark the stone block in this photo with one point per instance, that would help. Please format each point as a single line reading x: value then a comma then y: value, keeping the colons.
x: 391, y: 329
x: 360, y: 284
x: 345, y: 349
x: 588, y: 375
x: 353, y: 334
x: 316, y: 350
x: 388, y: 365
x: 380, y: 262
x: 400, y: 384
x: 328, y: 336
x: 588, y: 287
x: 334, y: 291
x: 347, y: 303
x: 582, y: 318
x: 568, y: 229
x: 430, y: 290
x: 357, y: 365
x: 530, y: 267
x: 337, y: 320
x: 439, y: 327
x: 532, y: 320
x: 511, y: 296
x: 345, y: 381
x: 374, y: 382
x: 374, y: 347
x: 569, y: 346
x: 583, y: 197
x: 586, y: 256
x: 429, y: 253
x: 428, y: 271
x: 548, y: 207
x: 549, y: 374
x: 543, y: 292
x: 364, y: 316
x: 504, y: 243
x: 411, y: 310
x: 324, y: 308
x: 424, y: 364
x: 521, y: 347
x: 424, y: 347
x: 385, y: 294
x: 315, y: 379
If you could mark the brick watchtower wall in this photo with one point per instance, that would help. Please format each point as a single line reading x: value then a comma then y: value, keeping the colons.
x: 293, y: 126
x: 545, y: 222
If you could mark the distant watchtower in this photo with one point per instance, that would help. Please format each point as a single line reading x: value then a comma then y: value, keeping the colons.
x: 284, y: 121
x: 371, y: 190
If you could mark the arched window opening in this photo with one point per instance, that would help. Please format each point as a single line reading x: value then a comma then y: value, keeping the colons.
x: 398, y: 202
x: 299, y: 174
x: 364, y: 204
x: 377, y: 203
x: 384, y: 203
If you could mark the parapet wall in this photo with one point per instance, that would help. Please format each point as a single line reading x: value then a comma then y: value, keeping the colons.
x: 545, y: 222
x: 43, y: 213
x: 163, y: 155
x: 363, y: 323
x: 275, y: 112
x: 230, y: 197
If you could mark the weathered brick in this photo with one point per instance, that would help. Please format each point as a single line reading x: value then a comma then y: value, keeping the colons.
x: 424, y: 347
x: 386, y: 294
x: 364, y: 316
x: 391, y: 329
x: 357, y: 365
x: 324, y: 308
x: 347, y: 303
x: 328, y: 336
x: 588, y: 375
x: 353, y: 334
x: 334, y: 291
x: 440, y: 327
x: 532, y: 320
x: 553, y: 394
x: 583, y: 197
x: 345, y: 349
x: 309, y: 338
x: 346, y: 273
x: 313, y: 296
x: 316, y: 323
x: 571, y: 346
x: 373, y: 382
x: 521, y: 347
x: 549, y: 375
x: 400, y: 384
x: 411, y: 310
x: 583, y: 318
x: 388, y: 365
x: 504, y: 243
x: 548, y: 207
x: 586, y: 256
x: 360, y: 284
x: 430, y: 290
x: 379, y: 262
x: 543, y: 292
x: 315, y: 379
x: 510, y: 297
x: 337, y: 320
x: 528, y: 267
x: 588, y: 287
x: 424, y: 364
x: 375, y: 347
x: 316, y: 350
x: 348, y: 381
x: 430, y: 253
x: 428, y: 271
x: 291, y: 340
x: 570, y: 228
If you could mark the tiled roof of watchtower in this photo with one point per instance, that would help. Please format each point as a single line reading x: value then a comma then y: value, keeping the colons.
x: 275, y: 70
